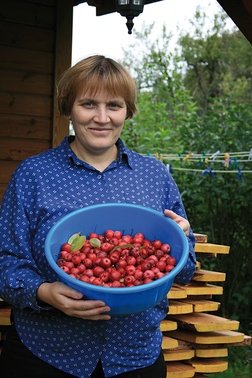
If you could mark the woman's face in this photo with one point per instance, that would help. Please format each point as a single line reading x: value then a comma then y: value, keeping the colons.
x: 97, y: 122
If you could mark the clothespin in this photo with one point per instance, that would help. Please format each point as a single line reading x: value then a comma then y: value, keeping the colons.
x: 214, y: 156
x: 205, y: 158
x: 235, y: 163
x: 169, y: 167
x: 179, y: 154
x: 208, y: 170
x: 227, y: 160
x: 148, y: 153
x: 239, y: 175
x: 188, y: 156
x: 250, y: 154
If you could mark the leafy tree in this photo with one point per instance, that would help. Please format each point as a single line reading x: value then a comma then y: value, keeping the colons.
x: 198, y: 99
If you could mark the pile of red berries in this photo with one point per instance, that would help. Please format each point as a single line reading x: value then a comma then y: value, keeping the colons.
x: 114, y: 259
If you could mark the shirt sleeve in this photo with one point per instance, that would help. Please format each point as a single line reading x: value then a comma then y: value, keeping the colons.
x: 20, y: 277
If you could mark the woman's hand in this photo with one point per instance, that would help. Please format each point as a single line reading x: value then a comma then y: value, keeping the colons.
x: 70, y: 301
x: 182, y: 222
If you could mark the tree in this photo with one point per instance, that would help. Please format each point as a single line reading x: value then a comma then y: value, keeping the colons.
x: 198, y: 99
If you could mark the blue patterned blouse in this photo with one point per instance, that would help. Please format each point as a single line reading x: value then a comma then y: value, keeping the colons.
x: 42, y: 190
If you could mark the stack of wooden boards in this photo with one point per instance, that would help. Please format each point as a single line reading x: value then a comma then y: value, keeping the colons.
x: 195, y: 340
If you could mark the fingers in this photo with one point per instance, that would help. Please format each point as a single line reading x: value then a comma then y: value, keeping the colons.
x: 182, y: 222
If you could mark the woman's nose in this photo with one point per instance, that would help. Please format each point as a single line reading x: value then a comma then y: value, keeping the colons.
x: 101, y: 115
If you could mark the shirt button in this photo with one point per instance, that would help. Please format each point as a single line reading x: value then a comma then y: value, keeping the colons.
x: 99, y: 176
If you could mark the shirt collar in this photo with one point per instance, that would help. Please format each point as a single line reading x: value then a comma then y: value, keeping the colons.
x: 125, y: 155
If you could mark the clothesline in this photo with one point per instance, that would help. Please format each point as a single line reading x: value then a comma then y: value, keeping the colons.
x: 216, y: 157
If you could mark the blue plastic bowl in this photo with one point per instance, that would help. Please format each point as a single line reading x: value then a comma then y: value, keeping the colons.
x: 129, y: 219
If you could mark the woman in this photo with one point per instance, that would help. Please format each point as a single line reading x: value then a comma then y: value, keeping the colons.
x: 55, y: 332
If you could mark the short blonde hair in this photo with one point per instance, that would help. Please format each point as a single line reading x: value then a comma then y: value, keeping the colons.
x: 93, y: 74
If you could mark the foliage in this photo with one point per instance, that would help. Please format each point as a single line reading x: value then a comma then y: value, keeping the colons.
x: 198, y: 99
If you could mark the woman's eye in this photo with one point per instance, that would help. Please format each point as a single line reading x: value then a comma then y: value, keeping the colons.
x: 114, y: 105
x: 88, y: 104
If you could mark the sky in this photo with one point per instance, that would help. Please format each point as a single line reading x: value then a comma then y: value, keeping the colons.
x: 107, y: 34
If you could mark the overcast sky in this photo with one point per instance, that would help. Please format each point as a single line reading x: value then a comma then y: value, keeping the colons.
x: 107, y: 34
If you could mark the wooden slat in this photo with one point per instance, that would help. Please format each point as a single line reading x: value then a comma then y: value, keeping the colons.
x: 5, y: 173
x: 30, y: 13
x: 208, y: 338
x: 14, y: 149
x: 195, y: 288
x: 200, y: 238
x: 178, y: 355
x: 28, y: 105
x: 62, y: 62
x: 201, y: 322
x: 27, y: 36
x: 202, y: 275
x: 168, y: 325
x: 26, y: 82
x: 211, y: 248
x: 25, y: 127
x: 169, y: 343
x: 26, y: 60
x: 202, y: 305
x: 179, y: 370
x: 177, y: 292
x: 211, y: 352
x: 5, y: 316
x: 210, y: 365
x: 179, y: 307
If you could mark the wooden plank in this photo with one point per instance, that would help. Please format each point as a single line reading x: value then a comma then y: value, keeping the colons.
x: 197, y: 288
x: 202, y: 275
x: 178, y: 355
x: 168, y: 325
x: 25, y: 127
x: 211, y: 248
x: 177, y: 292
x: 211, y: 352
x: 179, y: 307
x: 30, y: 13
x: 63, y: 54
x: 202, y: 305
x: 9, y: 167
x: 28, y: 105
x: 202, y: 322
x: 208, y: 338
x: 212, y: 365
x: 5, y: 316
x: 200, y: 238
x: 26, y: 60
x: 27, y: 36
x: 16, y: 149
x: 179, y: 370
x: 169, y: 343
x: 26, y: 82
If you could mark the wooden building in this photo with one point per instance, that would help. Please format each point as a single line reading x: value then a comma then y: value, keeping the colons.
x: 35, y: 48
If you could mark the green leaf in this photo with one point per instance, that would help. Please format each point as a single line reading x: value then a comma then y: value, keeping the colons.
x: 96, y: 243
x: 77, y: 243
x: 71, y: 239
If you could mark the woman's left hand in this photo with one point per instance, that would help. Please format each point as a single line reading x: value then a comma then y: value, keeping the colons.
x: 182, y: 222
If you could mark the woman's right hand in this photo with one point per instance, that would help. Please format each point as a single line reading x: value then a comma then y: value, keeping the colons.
x: 71, y: 302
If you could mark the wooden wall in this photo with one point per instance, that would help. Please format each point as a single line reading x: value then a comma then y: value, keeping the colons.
x: 35, y: 48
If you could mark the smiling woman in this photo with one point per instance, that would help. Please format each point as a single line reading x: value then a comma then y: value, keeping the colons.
x: 77, y: 336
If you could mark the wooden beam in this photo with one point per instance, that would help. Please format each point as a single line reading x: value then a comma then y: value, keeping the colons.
x: 63, y: 45
x: 240, y: 11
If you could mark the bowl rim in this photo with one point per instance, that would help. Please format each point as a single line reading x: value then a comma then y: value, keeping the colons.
x: 110, y: 290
